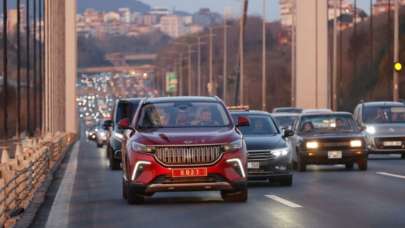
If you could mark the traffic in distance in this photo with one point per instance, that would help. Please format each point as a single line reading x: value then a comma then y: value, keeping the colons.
x: 178, y: 144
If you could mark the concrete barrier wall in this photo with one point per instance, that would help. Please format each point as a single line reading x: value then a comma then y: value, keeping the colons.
x: 21, y: 176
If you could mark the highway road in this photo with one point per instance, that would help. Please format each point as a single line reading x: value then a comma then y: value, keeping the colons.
x: 86, y: 193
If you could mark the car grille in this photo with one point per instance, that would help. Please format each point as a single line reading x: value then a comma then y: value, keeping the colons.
x: 331, y: 144
x: 379, y: 142
x: 260, y: 155
x: 188, y: 155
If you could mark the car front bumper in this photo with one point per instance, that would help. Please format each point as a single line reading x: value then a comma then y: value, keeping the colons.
x: 155, y: 177
x: 321, y: 157
x: 270, y: 168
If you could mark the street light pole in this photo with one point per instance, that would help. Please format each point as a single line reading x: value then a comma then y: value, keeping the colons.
x: 242, y: 51
x: 190, y: 70
x: 18, y: 98
x: 181, y: 76
x: 294, y: 57
x: 396, y: 51
x: 199, y: 68
x: 225, y: 68
x: 211, y: 73
x: 334, y: 70
x: 28, y: 79
x: 264, y: 81
x: 5, y: 68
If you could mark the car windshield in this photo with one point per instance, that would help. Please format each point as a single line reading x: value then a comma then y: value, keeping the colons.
x: 287, y: 110
x: 285, y: 121
x: 384, y: 114
x: 183, y: 115
x: 327, y: 124
x: 259, y: 125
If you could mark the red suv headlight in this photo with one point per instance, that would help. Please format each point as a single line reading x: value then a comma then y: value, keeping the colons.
x: 138, y: 147
x: 235, y: 145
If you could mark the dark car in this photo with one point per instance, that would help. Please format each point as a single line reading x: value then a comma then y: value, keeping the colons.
x: 328, y: 139
x: 384, y: 124
x: 184, y: 144
x: 124, y: 109
x: 269, y: 157
x: 287, y: 110
x: 285, y: 120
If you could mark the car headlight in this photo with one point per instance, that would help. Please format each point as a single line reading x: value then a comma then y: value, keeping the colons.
x: 371, y: 130
x: 235, y: 145
x: 138, y: 147
x: 280, y: 152
x: 312, y: 145
x: 356, y: 143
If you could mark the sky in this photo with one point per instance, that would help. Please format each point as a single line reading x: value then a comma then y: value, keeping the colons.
x: 255, y: 6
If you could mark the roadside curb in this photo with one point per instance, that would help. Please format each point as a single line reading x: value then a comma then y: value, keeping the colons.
x: 30, y: 213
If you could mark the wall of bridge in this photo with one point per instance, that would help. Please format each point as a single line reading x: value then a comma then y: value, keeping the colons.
x: 311, y: 54
x: 61, y: 66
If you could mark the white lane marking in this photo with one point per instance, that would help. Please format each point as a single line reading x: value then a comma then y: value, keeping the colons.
x: 283, y: 201
x: 59, y: 214
x: 391, y: 175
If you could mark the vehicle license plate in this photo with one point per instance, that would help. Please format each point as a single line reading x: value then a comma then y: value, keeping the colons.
x: 253, y: 165
x: 190, y: 172
x: 335, y: 154
x: 392, y: 143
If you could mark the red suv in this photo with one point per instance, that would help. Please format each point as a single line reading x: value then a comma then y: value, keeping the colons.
x: 184, y: 144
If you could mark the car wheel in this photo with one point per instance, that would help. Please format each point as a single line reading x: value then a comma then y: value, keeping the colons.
x: 301, y: 165
x: 286, y: 181
x: 114, y: 164
x: 349, y: 166
x: 109, y: 150
x: 403, y: 156
x: 363, y: 164
x: 134, y: 197
x: 235, y: 196
x: 124, y: 189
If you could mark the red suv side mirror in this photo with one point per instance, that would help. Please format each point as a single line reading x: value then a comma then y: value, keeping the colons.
x: 124, y: 123
x: 243, y: 122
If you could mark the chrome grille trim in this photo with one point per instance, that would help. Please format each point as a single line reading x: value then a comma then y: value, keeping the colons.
x: 188, y: 155
x: 259, y: 155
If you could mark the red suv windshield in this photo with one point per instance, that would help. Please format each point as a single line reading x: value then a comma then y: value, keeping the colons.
x: 183, y: 115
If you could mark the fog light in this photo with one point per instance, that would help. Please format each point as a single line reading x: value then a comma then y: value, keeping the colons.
x: 282, y: 168
x: 237, y: 165
x: 139, y: 166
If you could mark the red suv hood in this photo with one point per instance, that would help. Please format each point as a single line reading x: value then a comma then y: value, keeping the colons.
x: 187, y: 136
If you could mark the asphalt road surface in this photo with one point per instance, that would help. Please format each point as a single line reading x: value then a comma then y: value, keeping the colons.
x: 86, y: 193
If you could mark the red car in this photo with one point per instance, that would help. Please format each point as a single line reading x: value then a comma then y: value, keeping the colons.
x: 184, y: 144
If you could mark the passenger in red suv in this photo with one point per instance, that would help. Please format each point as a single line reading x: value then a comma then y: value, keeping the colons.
x: 184, y: 144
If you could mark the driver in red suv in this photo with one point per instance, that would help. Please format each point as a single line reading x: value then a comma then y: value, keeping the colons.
x: 184, y: 144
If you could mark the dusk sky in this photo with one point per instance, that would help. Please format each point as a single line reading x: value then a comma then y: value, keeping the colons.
x: 234, y: 5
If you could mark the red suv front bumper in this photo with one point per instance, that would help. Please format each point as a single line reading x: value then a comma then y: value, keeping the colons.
x: 145, y: 175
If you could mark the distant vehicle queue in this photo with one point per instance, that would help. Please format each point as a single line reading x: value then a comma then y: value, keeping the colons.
x: 197, y: 143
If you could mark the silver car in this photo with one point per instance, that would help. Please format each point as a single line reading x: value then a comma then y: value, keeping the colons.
x: 384, y: 126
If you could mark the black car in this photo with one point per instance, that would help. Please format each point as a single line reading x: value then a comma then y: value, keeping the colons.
x: 287, y: 110
x: 328, y: 139
x: 269, y: 157
x: 124, y: 109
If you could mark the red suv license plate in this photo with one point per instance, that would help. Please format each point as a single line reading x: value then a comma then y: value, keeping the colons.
x: 190, y: 172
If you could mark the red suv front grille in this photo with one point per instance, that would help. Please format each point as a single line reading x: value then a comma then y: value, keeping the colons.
x: 188, y: 155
